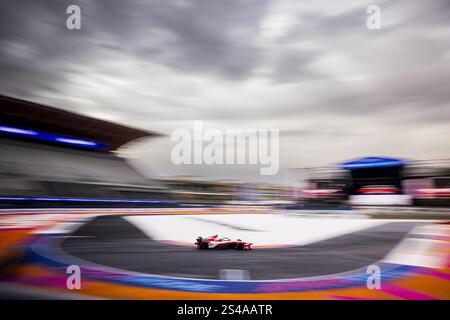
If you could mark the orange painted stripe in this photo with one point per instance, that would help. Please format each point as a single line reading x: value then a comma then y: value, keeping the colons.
x: 10, y: 238
x: 120, y: 291
x: 427, y: 285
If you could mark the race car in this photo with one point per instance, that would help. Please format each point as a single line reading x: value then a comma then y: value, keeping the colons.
x: 214, y: 242
x: 378, y: 189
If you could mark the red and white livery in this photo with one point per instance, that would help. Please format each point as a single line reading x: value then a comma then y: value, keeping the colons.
x: 214, y: 242
x: 379, y: 189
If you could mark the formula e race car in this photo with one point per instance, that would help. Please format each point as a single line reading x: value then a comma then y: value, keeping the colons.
x: 214, y: 242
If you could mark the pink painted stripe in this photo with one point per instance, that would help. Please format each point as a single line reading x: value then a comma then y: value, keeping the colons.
x: 405, y: 293
x: 436, y: 273
x: 44, y: 281
x: 349, y: 298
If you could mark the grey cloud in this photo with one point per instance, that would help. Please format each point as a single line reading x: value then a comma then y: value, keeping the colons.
x: 212, y: 37
x: 207, y: 60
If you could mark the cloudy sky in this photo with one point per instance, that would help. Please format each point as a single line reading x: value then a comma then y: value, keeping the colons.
x: 312, y: 69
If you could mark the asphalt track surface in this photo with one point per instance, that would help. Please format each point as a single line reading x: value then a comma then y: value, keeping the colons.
x: 114, y: 242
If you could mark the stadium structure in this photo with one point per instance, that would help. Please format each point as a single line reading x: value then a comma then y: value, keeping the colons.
x: 68, y: 199
x: 379, y: 181
x: 52, y: 157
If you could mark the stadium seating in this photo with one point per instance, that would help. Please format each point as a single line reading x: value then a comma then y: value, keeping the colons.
x: 34, y: 170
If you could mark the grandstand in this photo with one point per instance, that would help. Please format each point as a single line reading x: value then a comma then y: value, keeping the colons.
x: 420, y: 182
x: 50, y: 156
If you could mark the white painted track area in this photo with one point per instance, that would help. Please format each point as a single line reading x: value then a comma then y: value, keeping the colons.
x: 260, y: 229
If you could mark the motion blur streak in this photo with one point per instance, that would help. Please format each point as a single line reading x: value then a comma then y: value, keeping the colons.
x: 98, y: 201
x: 43, y: 265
